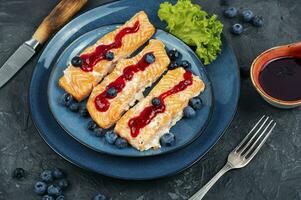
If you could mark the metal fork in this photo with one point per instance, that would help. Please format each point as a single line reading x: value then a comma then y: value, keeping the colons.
x: 243, y: 153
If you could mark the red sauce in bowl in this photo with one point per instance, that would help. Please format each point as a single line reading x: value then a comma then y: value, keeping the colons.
x: 281, y: 78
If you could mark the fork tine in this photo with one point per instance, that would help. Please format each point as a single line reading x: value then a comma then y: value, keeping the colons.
x: 255, y: 151
x: 242, y: 144
x: 258, y: 138
x: 258, y: 132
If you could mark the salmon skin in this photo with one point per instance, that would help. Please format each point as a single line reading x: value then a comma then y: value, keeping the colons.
x: 175, y: 97
x: 79, y: 83
x: 142, y: 75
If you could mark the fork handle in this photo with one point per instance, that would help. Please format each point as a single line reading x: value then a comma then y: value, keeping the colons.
x: 202, y: 192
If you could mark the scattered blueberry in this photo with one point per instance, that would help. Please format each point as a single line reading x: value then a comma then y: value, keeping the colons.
x: 173, y: 65
x: 167, y: 139
x: 150, y: 58
x: 258, y: 21
x: 237, y: 29
x: 18, y: 173
x: 156, y: 101
x: 174, y: 54
x: 46, y: 176
x: 121, y: 143
x: 54, y: 190
x: 189, y: 112
x: 47, y: 197
x: 98, y: 132
x: 247, y: 15
x: 67, y: 99
x: 83, y: 111
x: 74, y: 106
x: 111, y: 137
x: 58, y: 173
x: 77, y: 61
x: 185, y: 64
x: 40, y: 188
x: 109, y: 56
x: 196, y: 103
x: 100, y: 197
x: 61, y: 197
x: 92, y: 125
x: 112, y: 92
x: 63, y: 183
x: 230, y: 12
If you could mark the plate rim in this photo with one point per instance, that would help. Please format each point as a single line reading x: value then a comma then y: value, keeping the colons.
x: 66, y: 157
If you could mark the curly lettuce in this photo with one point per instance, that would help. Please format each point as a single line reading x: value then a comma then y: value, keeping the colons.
x: 194, y: 26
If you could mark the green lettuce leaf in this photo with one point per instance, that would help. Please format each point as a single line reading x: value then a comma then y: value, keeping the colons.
x: 194, y: 26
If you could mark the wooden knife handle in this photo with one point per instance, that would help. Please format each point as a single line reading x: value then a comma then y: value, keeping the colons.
x: 57, y: 18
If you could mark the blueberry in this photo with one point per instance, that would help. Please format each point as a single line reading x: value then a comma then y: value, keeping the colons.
x: 18, y: 173
x: 237, y: 29
x: 189, y: 112
x: 230, y: 12
x: 258, y: 21
x: 74, y: 106
x: 66, y: 100
x: 46, y: 176
x: 92, y: 125
x: 54, y: 190
x: 109, y: 56
x: 121, y: 143
x: 185, y: 64
x: 247, y: 15
x: 174, y: 54
x: 100, y: 197
x: 167, y: 139
x: 150, y: 58
x: 98, y: 132
x: 83, y: 111
x: 196, y: 103
x: 63, y: 183
x: 40, y: 188
x: 173, y: 65
x: 58, y: 173
x: 156, y: 101
x: 47, y: 197
x: 77, y: 61
x: 112, y: 92
x: 111, y: 137
x: 61, y: 197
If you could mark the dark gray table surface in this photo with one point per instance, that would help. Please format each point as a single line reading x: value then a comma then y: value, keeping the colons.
x: 275, y: 174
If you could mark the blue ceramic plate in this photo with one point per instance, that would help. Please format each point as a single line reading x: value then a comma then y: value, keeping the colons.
x: 185, y: 131
x: 223, y: 73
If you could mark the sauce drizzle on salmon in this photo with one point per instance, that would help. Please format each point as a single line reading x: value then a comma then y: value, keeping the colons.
x: 101, y: 102
x: 91, y: 59
x: 150, y: 112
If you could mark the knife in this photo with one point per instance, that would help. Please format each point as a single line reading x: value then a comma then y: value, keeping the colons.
x: 55, y: 20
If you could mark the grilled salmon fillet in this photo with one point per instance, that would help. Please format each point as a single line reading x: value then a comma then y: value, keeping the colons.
x: 134, y: 33
x: 144, y: 124
x: 131, y: 77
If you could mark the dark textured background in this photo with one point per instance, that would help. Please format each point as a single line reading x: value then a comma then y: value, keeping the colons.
x: 275, y: 174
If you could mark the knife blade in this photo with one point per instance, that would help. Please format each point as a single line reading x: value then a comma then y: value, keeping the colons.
x: 56, y: 19
x: 17, y: 60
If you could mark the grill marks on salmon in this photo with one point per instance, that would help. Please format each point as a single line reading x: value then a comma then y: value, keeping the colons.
x: 133, y: 89
x: 79, y: 83
x: 149, y: 135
